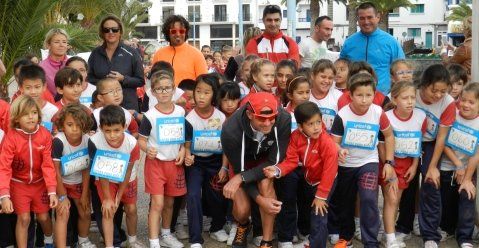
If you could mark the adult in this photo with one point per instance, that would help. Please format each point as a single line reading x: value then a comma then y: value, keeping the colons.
x: 373, y: 45
x: 314, y: 48
x: 116, y: 60
x: 56, y: 41
x: 232, y: 72
x: 272, y: 44
x: 262, y: 131
x: 206, y: 50
x: 187, y: 61
x: 463, y: 54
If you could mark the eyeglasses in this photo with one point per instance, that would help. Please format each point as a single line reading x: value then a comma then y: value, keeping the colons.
x: 163, y: 90
x: 177, y: 30
x: 111, y: 30
x: 404, y: 72
x: 112, y: 92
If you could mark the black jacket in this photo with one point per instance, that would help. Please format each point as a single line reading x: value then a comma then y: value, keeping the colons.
x: 127, y: 61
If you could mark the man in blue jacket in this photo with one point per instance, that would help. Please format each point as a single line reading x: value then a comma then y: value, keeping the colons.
x: 373, y: 45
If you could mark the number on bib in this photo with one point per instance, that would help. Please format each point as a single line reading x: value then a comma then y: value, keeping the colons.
x: 407, y: 143
x: 170, y: 130
x: 207, y: 141
x: 360, y: 135
x: 110, y: 165
x: 463, y: 138
x: 74, y: 162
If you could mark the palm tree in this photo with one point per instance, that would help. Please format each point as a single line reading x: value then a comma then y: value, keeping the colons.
x: 131, y: 12
x: 460, y: 12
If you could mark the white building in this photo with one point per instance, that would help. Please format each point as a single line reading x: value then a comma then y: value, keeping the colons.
x: 215, y: 22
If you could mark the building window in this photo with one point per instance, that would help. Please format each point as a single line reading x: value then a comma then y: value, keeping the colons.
x: 417, y: 9
x: 246, y: 13
x: 148, y: 32
x: 394, y: 12
x: 308, y: 15
x: 220, y: 13
x: 221, y: 31
x: 391, y: 31
x: 194, y: 13
x: 217, y: 45
x: 196, y: 34
x: 285, y: 13
x: 414, y: 32
x: 167, y: 11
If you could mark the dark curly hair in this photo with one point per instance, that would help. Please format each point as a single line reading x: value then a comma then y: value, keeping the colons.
x: 170, y: 21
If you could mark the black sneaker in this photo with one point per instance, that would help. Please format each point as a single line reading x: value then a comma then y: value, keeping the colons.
x: 266, y: 244
x: 240, y: 240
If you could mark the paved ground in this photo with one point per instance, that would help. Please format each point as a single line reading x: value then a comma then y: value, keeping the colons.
x: 143, y: 201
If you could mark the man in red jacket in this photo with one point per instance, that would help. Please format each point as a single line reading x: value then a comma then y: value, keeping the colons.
x: 272, y: 44
x: 312, y: 146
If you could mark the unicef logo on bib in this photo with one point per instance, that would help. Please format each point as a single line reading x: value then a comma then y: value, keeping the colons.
x: 74, y: 162
x: 170, y: 130
x: 85, y: 100
x: 110, y: 165
x: 207, y: 141
x: 360, y: 135
x: 407, y: 143
x: 462, y: 138
x: 328, y: 117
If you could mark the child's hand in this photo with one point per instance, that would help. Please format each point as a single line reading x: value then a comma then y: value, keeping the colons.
x: 269, y: 171
x: 459, y: 175
x: 432, y: 176
x: 63, y: 207
x: 222, y: 175
x: 108, y: 208
x: 189, y: 160
x: 151, y: 152
x: 410, y: 173
x: 388, y: 173
x: 469, y: 187
x: 343, y: 153
x: 7, y: 206
x: 320, y: 206
x: 181, y: 156
x: 53, y: 201
x: 85, y: 201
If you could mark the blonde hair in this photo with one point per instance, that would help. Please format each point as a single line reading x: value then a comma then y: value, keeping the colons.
x: 396, y: 62
x: 249, y: 33
x: 20, y: 107
x: 161, y: 75
x: 396, y: 89
x: 256, y: 68
x: 52, y: 32
x: 467, y: 26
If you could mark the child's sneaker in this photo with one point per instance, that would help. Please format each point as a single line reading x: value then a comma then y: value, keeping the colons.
x: 232, y: 234
x: 430, y: 244
x: 395, y: 244
x: 170, y: 241
x: 264, y: 244
x: 342, y: 243
x: 136, y: 244
x: 285, y: 244
x: 196, y: 245
x: 180, y: 232
x: 86, y: 244
x: 219, y: 236
x: 402, y: 236
x: 240, y: 240
x: 467, y: 245
x: 333, y: 238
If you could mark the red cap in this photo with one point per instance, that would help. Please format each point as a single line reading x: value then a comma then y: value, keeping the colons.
x: 263, y: 104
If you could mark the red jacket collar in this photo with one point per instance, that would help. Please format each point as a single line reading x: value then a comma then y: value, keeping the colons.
x: 273, y: 37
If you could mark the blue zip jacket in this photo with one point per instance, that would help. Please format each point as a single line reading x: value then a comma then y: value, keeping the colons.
x: 379, y: 49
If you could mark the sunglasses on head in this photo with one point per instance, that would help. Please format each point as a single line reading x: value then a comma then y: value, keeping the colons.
x: 179, y: 31
x: 111, y: 30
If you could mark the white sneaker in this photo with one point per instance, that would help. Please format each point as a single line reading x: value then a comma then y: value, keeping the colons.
x: 181, y: 232
x: 467, y: 245
x: 196, y: 245
x: 395, y: 244
x: 444, y: 235
x: 415, y: 227
x: 402, y: 236
x: 285, y: 244
x: 333, y: 238
x: 257, y: 240
x: 232, y: 234
x: 430, y: 244
x: 220, y: 236
x: 136, y: 244
x: 170, y: 241
x: 295, y: 239
x: 86, y: 244
x: 302, y: 237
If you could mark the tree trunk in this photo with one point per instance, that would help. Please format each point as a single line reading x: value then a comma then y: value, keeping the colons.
x: 314, y: 8
x: 330, y: 10
x: 352, y: 18
x: 384, y: 22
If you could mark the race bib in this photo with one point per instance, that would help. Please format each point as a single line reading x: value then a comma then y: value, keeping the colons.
x: 328, y: 117
x: 208, y: 141
x: 432, y: 124
x: 462, y: 138
x: 110, y: 165
x: 85, y: 100
x: 74, y: 162
x: 48, y: 125
x: 170, y: 130
x: 360, y: 135
x: 407, y: 143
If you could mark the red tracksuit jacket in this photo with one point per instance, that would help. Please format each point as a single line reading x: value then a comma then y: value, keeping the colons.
x: 319, y: 158
x: 27, y: 158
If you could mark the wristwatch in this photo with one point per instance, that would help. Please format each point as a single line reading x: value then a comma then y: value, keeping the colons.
x: 390, y: 162
x: 62, y: 198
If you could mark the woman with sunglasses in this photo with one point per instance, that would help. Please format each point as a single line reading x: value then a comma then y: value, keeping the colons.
x: 114, y: 59
x: 187, y: 61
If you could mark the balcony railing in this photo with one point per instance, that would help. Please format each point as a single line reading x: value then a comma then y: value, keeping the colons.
x: 220, y: 18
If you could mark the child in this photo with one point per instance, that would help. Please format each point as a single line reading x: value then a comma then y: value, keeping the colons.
x: 203, y: 160
x: 322, y: 92
x: 285, y: 70
x: 459, y: 163
x: 355, y: 129
x: 27, y: 173
x: 46, y: 95
x: 70, y: 157
x: 229, y: 96
x: 209, y: 62
x: 164, y: 174
x: 459, y: 79
x: 317, y: 153
x: 226, y: 53
x: 111, y: 93
x: 187, y: 101
x: 68, y: 83
x: 115, y: 141
x: 245, y: 69
x: 31, y: 81
x: 262, y: 76
x: 220, y: 65
x: 432, y: 97
x: 298, y: 90
x: 408, y: 125
x: 87, y: 88
x: 401, y: 70
x: 342, y: 72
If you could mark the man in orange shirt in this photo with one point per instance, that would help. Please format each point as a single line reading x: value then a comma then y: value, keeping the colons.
x: 187, y: 61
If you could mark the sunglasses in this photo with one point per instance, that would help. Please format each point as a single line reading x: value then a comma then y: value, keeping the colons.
x: 263, y: 119
x: 179, y: 31
x: 111, y: 30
